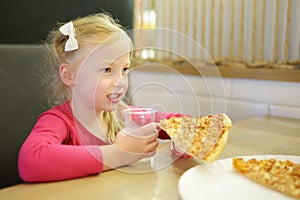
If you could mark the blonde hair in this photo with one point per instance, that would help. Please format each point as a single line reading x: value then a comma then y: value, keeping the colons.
x: 89, y: 30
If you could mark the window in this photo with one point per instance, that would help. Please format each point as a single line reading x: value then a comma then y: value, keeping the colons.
x: 247, y: 39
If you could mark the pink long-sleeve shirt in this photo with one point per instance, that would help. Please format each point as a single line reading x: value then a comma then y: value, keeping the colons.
x: 54, y: 151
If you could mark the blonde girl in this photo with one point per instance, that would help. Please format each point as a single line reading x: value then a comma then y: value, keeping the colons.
x: 82, y: 133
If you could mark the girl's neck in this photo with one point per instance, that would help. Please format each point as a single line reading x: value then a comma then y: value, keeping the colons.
x: 93, y: 122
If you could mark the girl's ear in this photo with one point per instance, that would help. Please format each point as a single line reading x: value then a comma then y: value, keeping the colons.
x: 67, y: 75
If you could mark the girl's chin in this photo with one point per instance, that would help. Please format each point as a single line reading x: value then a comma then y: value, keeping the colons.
x: 109, y: 108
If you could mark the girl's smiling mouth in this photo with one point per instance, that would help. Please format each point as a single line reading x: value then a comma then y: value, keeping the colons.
x: 115, y: 97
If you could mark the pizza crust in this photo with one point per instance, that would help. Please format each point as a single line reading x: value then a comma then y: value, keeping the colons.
x: 218, y: 149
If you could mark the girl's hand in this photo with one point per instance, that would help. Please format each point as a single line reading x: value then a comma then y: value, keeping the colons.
x: 141, y: 142
x: 178, y: 152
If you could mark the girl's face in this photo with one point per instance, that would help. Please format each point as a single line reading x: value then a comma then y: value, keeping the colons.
x: 101, y: 80
x: 112, y: 84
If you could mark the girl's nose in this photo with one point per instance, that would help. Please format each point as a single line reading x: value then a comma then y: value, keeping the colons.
x: 120, y: 80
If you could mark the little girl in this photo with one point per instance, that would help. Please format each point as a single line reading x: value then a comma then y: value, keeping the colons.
x: 82, y: 134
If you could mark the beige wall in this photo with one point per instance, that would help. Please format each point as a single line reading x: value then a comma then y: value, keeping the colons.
x: 195, y: 95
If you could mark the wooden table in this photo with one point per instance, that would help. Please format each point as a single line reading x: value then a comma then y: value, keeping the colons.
x: 261, y: 135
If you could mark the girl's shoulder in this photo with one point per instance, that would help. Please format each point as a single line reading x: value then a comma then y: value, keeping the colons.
x: 62, y: 111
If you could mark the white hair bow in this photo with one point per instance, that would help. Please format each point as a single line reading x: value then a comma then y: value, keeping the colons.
x: 68, y: 29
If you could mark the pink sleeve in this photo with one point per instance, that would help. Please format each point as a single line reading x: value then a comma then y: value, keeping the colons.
x: 44, y: 157
x: 167, y: 115
x: 160, y: 115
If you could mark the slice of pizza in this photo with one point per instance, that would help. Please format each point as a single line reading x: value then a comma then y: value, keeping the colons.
x: 282, y: 176
x: 204, y: 137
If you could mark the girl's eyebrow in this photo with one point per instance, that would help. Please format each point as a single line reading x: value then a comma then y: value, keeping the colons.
x: 106, y: 63
x: 128, y: 63
x: 115, y: 64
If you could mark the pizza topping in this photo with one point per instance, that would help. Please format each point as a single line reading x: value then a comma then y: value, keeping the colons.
x: 283, y: 176
x: 197, y: 136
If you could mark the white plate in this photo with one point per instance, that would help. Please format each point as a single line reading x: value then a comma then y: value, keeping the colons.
x: 220, y: 181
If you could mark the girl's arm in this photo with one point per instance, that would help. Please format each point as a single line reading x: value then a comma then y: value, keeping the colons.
x: 44, y: 157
